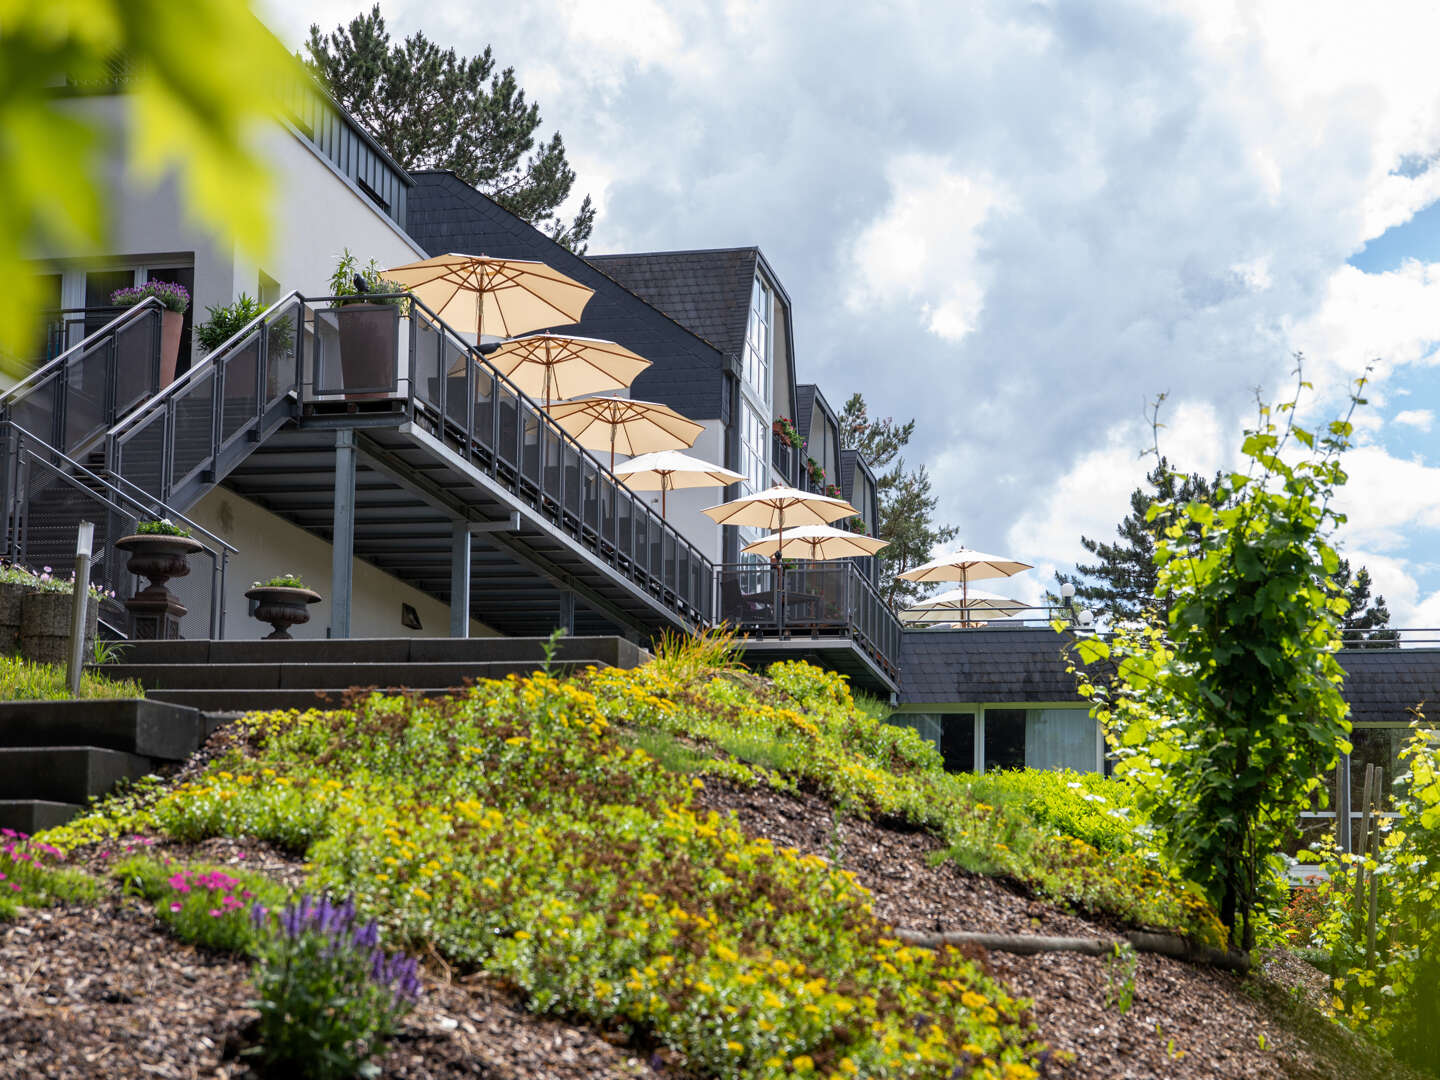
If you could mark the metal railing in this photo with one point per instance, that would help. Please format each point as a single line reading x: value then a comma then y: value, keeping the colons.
x: 815, y: 598
x: 65, y: 327
x: 69, y: 402
x: 785, y: 459
x: 183, y: 436
x: 45, y: 494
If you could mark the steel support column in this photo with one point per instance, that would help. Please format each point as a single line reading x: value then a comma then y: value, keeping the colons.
x: 567, y: 612
x: 460, y: 580
x: 342, y: 554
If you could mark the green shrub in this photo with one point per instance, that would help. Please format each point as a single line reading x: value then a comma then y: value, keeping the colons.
x: 1101, y: 811
x: 160, y: 527
x: 225, y: 321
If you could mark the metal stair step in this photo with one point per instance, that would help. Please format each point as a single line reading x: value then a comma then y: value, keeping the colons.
x: 151, y: 729
x: 35, y: 815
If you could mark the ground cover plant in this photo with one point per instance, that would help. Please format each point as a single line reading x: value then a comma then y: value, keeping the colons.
x: 32, y: 875
x: 515, y: 830
x: 1102, y: 811
x: 802, y: 728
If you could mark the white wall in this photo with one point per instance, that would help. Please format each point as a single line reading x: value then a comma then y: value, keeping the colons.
x: 270, y: 545
x: 682, y: 507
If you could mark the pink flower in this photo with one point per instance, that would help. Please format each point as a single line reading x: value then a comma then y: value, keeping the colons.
x: 2, y: 877
x: 14, y: 887
x: 215, y: 913
x: 179, y: 883
x: 175, y: 905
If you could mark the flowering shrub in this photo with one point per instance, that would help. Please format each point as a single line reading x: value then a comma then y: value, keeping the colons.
x: 172, y: 294
x: 807, y: 731
x: 162, y: 527
x: 30, y: 875
x: 511, y: 829
x: 329, y: 996
x: 784, y: 429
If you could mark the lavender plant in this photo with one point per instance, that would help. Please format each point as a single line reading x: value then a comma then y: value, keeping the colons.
x: 172, y: 294
x: 329, y: 995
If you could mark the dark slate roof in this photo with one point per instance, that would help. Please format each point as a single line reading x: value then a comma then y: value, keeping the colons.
x: 1002, y: 665
x: 707, y: 292
x: 847, y: 475
x: 687, y: 372
x: 990, y: 666
x: 804, y: 407
x: 1384, y: 684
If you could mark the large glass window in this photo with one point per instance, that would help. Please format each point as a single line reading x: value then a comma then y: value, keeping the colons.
x: 758, y: 340
x: 754, y: 442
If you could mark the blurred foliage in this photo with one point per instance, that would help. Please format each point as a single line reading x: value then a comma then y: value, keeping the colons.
x: 201, y: 79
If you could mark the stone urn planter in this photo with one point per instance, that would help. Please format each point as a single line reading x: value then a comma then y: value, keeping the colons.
x: 367, y: 349
x: 158, y: 557
x: 45, y: 626
x: 282, y: 607
x: 12, y: 593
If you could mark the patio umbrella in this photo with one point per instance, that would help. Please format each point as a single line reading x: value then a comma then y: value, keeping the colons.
x: 817, y: 542
x: 965, y: 566
x: 624, y: 424
x: 940, y: 607
x: 666, y: 470
x: 499, y: 297
x: 556, y: 366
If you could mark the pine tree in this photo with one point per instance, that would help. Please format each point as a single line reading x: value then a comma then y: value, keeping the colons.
x: 1121, y: 582
x: 907, y: 503
x: 433, y: 109
x: 1366, y: 625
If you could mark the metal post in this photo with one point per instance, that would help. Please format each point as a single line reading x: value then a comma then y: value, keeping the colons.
x: 1342, y: 803
x: 84, y: 539
x: 979, y: 740
x: 460, y: 580
x: 567, y: 612
x: 342, y: 554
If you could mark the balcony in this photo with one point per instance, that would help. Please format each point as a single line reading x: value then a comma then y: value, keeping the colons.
x: 824, y: 611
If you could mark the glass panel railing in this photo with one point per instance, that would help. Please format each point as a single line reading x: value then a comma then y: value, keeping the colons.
x: 193, y: 438
x: 572, y: 482
x: 553, y: 489
x: 590, y: 510
x: 242, y: 386
x: 432, y: 385
x: 359, y: 345
x: 282, y: 344
x: 507, y: 444
x: 529, y: 445
x: 642, y: 540
x: 625, y: 525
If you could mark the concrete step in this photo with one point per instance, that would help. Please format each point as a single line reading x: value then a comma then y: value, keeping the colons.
x: 71, y: 774
x: 149, y: 728
x: 611, y: 651
x: 317, y: 675
x: 231, y: 702
x: 34, y: 815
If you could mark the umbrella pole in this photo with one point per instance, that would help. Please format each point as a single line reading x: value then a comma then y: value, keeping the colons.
x: 780, y: 569
x: 612, y: 448
x: 664, y: 487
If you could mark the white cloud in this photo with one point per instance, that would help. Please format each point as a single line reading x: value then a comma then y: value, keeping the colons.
x: 924, y: 249
x: 1416, y: 418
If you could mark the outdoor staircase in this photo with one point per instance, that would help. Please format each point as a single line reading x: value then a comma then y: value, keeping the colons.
x: 57, y: 755
x: 240, y: 676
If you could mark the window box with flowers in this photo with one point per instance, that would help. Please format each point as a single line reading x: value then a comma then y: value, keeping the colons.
x: 176, y: 298
x: 785, y: 431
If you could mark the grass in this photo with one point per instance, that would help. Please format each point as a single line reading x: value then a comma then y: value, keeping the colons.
x: 26, y: 680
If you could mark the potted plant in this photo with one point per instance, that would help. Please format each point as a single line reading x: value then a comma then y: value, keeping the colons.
x: 367, y: 327
x: 176, y: 299
x: 225, y: 321
x: 281, y: 602
x: 159, y: 550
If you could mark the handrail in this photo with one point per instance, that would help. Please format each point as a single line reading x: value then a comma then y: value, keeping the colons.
x: 144, y: 500
x: 150, y: 303
x: 142, y: 410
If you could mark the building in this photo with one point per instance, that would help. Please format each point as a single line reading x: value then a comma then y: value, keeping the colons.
x: 444, y: 502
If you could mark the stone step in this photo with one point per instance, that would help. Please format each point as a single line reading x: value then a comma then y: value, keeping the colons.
x: 30, y: 816
x: 71, y: 774
x: 318, y: 675
x: 611, y: 651
x: 151, y: 729
x: 230, y: 702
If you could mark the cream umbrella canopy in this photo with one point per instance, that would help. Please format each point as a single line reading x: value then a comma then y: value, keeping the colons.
x: 624, y: 424
x: 817, y: 542
x: 666, y: 470
x: 558, y: 366
x: 965, y: 601
x: 965, y: 566
x: 499, y: 297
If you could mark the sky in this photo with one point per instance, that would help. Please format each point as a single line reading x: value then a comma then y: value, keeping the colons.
x: 1019, y: 223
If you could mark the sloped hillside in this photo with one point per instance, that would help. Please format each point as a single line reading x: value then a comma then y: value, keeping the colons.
x: 680, y: 870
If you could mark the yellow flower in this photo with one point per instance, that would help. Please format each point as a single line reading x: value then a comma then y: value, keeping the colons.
x: 522, y: 935
x: 802, y: 1063
x: 733, y: 1046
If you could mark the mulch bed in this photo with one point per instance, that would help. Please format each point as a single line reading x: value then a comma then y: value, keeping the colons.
x: 103, y: 991
x: 1185, y: 1022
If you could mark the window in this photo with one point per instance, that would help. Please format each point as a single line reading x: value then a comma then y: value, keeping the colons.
x: 754, y: 442
x: 758, y: 335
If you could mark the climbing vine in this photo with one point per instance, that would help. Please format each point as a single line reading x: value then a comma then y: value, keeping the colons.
x: 1228, y: 711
